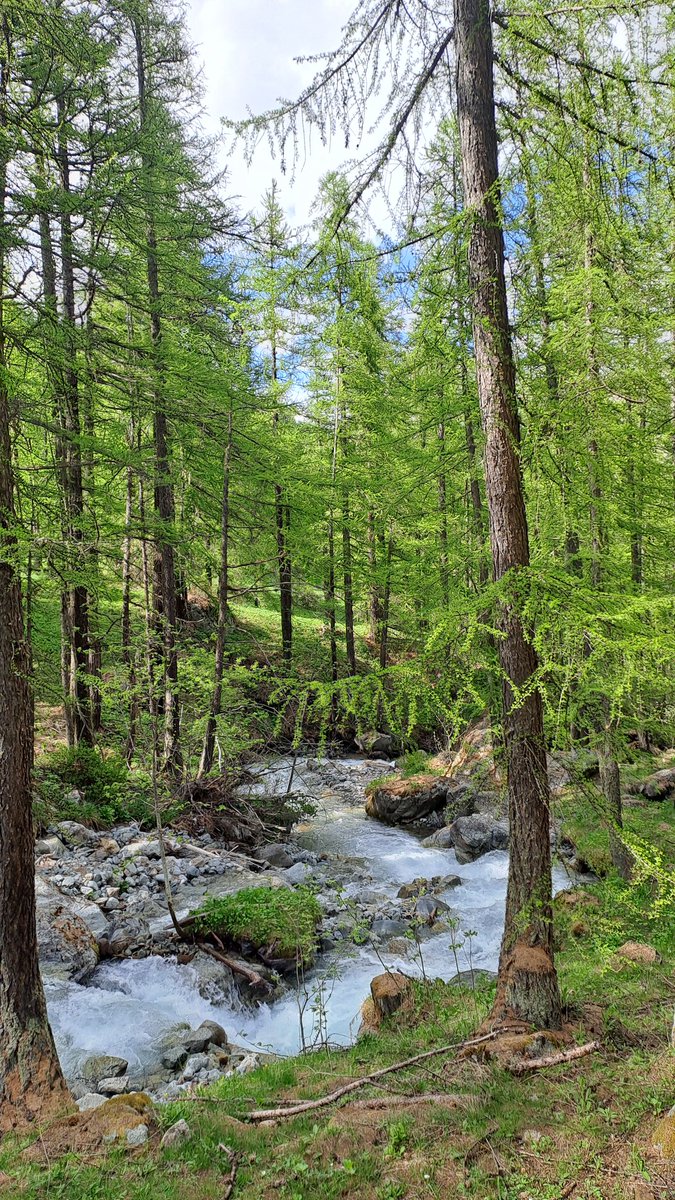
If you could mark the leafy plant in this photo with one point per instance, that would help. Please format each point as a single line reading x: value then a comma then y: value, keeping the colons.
x: 276, y: 919
x: 107, y: 792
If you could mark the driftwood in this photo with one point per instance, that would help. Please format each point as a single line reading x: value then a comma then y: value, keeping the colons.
x: 522, y: 1066
x: 294, y: 1110
x: 239, y: 968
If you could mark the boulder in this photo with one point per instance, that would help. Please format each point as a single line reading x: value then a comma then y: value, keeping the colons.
x: 441, y: 839
x: 137, y: 1136
x: 196, y: 1041
x: 297, y: 874
x: 174, y: 1058
x: 659, y: 785
x: 637, y: 952
x: 386, y: 927
x: 67, y: 947
x: 477, y: 835
x: 427, y: 908
x: 176, y: 1135
x: 74, y: 834
x: 375, y: 743
x: 101, y: 1066
x: 473, y: 979
x: 275, y: 855
x: 115, y: 1085
x: 53, y: 846
x: 90, y: 1101
x: 125, y: 934
x: 408, y: 801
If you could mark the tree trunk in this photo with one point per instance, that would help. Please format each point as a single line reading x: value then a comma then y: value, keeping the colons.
x: 374, y: 596
x: 31, y: 1083
x: 384, y: 622
x: 527, y: 984
x: 329, y: 593
x: 348, y: 584
x: 165, y: 566
x: 443, y: 518
x: 206, y: 761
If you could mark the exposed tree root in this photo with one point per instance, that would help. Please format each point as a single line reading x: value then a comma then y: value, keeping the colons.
x: 523, y: 1065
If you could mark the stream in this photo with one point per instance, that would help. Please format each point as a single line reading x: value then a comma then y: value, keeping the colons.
x: 130, y: 1003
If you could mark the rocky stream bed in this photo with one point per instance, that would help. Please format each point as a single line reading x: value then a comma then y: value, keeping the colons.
x: 131, y: 1009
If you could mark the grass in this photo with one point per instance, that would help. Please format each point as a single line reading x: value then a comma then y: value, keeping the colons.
x: 280, y: 920
x: 586, y: 1124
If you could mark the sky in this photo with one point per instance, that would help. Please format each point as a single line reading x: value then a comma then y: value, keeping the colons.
x: 246, y: 49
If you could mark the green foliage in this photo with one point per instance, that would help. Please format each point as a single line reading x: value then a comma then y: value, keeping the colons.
x: 109, y: 792
x: 281, y: 919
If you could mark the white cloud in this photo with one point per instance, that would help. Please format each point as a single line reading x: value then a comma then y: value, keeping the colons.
x: 247, y: 50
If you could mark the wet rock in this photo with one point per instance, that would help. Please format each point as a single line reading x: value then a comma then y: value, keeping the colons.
x: 408, y: 801
x: 417, y: 887
x: 174, y: 1058
x: 441, y: 839
x: 477, y: 835
x: 90, y: 1101
x: 428, y: 907
x: 137, y: 1136
x: 215, y: 981
x: 384, y: 927
x: 196, y: 1040
x: 129, y: 933
x: 116, y: 1085
x: 275, y: 855
x: 176, y: 1135
x: 195, y: 1064
x: 101, y: 1066
x: 74, y: 834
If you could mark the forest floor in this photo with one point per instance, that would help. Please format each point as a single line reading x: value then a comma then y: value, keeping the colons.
x: 582, y: 1130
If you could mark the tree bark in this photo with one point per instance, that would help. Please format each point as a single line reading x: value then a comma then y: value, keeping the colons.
x: 31, y: 1083
x: 443, y: 518
x: 527, y: 985
x: 206, y: 761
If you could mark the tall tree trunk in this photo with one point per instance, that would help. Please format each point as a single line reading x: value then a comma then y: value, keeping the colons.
x: 374, y: 592
x: 348, y: 583
x: 384, y: 621
x: 282, y: 519
x: 329, y: 593
x: 527, y: 983
x: 206, y: 761
x: 31, y: 1083
x: 165, y: 567
x: 78, y: 591
x: 443, y: 518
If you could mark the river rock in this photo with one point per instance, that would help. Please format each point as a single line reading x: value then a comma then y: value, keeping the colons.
x: 197, y: 1040
x: 74, y: 834
x: 477, y: 835
x: 440, y: 839
x: 67, y: 947
x: 127, y: 933
x: 115, y: 1085
x: 174, y: 1058
x: 408, y: 801
x: 385, y: 927
x: 275, y: 855
x: 90, y: 1101
x: 215, y: 981
x: 53, y: 846
x: 176, y: 1135
x: 375, y: 743
x: 101, y: 1066
x: 297, y: 874
x: 428, y: 908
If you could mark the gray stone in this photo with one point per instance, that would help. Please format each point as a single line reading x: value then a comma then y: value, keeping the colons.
x: 297, y: 874
x: 250, y: 1062
x: 441, y: 839
x: 428, y: 907
x: 195, y: 1064
x: 375, y: 743
x: 114, y: 1086
x: 409, y: 801
x: 90, y: 1100
x: 176, y: 1135
x: 384, y: 927
x: 174, y: 1058
x: 275, y: 855
x: 474, y: 979
x: 137, y: 1136
x: 198, y: 1039
x: 53, y: 846
x: 477, y: 835
x: 66, y: 945
x: 102, y: 1066
x: 74, y: 834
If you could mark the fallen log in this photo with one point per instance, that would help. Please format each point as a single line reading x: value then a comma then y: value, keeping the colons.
x: 294, y: 1110
x: 239, y: 968
x: 522, y: 1065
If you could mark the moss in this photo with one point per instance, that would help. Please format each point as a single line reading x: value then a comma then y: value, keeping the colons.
x: 278, y: 920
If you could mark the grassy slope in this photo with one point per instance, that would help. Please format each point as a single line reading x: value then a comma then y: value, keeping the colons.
x: 587, y: 1123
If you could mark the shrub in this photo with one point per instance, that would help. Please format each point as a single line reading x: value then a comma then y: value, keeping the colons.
x: 278, y: 919
x: 110, y: 792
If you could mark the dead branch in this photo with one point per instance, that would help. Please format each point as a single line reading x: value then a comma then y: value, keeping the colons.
x: 273, y: 1114
x: 233, y: 1160
x: 238, y: 968
x: 522, y: 1066
x: 447, y: 1099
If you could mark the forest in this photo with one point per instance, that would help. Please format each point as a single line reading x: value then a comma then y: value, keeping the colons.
x: 337, y: 611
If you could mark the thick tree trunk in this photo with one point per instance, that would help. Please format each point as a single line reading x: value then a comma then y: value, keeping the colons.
x: 384, y: 621
x: 348, y: 584
x: 527, y: 985
x: 31, y: 1084
x: 329, y: 593
x: 206, y: 761
x: 443, y: 518
x: 374, y: 591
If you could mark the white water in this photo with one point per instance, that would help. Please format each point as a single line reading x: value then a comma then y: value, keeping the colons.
x: 130, y: 1003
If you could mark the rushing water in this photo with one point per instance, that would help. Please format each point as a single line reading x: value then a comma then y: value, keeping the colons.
x: 130, y: 1003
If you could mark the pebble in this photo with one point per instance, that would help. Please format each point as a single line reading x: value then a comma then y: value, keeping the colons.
x: 137, y: 1136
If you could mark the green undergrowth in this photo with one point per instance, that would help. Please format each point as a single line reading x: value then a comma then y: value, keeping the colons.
x: 282, y: 920
x: 90, y: 786
x: 581, y: 1129
x: 649, y: 821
